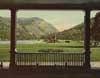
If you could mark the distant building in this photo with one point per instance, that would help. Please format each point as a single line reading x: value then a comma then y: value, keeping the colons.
x: 51, y: 38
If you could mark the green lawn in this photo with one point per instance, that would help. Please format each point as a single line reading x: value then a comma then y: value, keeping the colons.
x: 66, y: 47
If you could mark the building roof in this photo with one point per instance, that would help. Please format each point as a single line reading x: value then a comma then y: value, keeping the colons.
x: 49, y: 4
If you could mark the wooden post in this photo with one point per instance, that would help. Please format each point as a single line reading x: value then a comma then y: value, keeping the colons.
x: 13, y: 38
x: 87, y: 38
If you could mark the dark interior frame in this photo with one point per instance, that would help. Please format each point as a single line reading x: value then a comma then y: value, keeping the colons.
x: 87, y: 8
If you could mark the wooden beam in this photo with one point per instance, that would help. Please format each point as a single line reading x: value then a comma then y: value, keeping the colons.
x: 13, y: 38
x: 87, y: 38
x: 64, y: 6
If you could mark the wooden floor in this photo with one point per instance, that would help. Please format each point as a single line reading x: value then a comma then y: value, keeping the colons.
x: 50, y: 73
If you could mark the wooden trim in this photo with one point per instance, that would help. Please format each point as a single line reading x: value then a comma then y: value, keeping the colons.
x: 32, y: 6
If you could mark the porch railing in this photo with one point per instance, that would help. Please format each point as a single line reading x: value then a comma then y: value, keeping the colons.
x: 50, y: 59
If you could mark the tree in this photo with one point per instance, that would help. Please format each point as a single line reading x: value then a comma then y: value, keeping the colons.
x: 95, y: 30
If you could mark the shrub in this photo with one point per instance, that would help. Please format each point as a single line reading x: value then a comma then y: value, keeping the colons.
x: 67, y: 41
x: 50, y: 50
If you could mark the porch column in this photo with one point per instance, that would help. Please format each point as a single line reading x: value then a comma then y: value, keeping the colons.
x: 13, y: 38
x: 87, y: 38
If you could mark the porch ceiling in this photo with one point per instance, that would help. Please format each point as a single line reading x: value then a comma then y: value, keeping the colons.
x: 50, y: 4
x: 50, y: 1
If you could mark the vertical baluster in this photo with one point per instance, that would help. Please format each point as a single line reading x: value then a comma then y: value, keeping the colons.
x: 58, y: 59
x: 32, y: 58
x: 48, y: 58
x: 36, y: 59
x: 63, y: 59
x: 20, y: 59
x: 24, y: 58
x: 67, y: 56
x: 72, y: 59
x: 77, y: 61
x: 77, y: 55
x: 54, y: 58
x: 80, y: 56
x: 66, y: 59
x: 80, y: 59
x: 17, y: 58
x: 44, y: 60
x: 27, y: 58
x: 28, y: 55
x: 39, y: 54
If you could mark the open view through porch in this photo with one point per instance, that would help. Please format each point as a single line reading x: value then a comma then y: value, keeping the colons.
x: 47, y: 38
x: 95, y: 38
x: 5, y: 18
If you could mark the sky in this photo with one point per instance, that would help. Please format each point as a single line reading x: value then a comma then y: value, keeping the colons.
x: 61, y: 19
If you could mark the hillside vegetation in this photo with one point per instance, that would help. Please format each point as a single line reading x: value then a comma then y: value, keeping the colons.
x: 75, y: 33
x: 26, y: 29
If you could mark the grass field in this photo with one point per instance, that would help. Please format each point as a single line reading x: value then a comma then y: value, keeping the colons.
x: 66, y: 47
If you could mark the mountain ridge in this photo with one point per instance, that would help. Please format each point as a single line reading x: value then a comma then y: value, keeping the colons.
x: 75, y: 33
x: 26, y: 28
